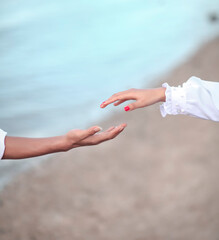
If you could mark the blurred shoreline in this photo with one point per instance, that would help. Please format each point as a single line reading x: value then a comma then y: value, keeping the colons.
x: 158, y: 180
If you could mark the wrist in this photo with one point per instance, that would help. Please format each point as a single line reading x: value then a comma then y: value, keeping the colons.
x: 63, y: 144
x: 67, y: 143
x: 161, y: 94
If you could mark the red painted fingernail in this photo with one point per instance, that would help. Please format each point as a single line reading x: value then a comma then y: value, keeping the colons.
x: 127, y: 108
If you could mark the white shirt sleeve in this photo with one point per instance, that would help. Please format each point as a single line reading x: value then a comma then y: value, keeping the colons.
x: 195, y: 98
x: 2, y: 143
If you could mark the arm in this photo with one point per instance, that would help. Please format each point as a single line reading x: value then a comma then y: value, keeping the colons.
x: 196, y: 98
x: 142, y: 97
x: 19, y: 148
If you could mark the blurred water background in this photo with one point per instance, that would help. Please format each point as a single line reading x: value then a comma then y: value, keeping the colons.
x: 60, y: 59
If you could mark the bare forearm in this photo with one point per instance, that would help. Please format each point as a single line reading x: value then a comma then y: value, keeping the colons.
x: 18, y: 147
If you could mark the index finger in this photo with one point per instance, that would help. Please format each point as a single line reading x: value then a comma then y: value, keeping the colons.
x: 122, y: 96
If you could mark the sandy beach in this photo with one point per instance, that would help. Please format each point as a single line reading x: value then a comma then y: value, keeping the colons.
x: 158, y: 180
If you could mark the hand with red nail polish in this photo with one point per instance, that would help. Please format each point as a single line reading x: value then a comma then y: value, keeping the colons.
x: 142, y: 98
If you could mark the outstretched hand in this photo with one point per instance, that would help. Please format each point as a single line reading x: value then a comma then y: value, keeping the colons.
x: 89, y: 137
x: 142, y: 97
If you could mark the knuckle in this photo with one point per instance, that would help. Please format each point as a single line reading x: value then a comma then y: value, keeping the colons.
x: 77, y: 133
x: 140, y: 102
x: 132, y: 89
x: 91, y: 132
x: 115, y: 95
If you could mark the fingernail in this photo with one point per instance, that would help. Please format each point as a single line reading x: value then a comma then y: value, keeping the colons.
x: 97, y: 129
x: 121, y: 128
x: 127, y: 108
x: 102, y: 104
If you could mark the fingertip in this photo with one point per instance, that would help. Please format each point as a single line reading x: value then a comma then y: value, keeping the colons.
x: 102, y: 105
x: 97, y: 129
x: 121, y: 127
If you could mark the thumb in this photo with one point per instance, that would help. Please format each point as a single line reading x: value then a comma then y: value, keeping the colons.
x: 131, y: 106
x: 90, y: 132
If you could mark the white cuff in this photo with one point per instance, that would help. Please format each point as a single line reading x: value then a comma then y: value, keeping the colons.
x: 175, y: 101
x: 2, y: 143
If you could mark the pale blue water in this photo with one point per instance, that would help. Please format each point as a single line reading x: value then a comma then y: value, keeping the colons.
x: 60, y: 59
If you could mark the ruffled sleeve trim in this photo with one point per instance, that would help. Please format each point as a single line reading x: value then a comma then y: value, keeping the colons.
x: 175, y: 101
x: 2, y: 143
x: 165, y: 108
